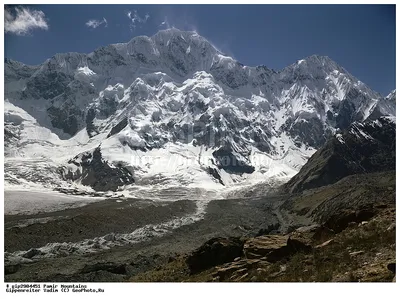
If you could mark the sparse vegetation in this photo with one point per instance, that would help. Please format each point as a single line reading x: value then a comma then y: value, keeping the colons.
x: 361, y: 252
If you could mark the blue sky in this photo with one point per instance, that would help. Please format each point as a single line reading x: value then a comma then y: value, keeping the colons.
x: 361, y: 38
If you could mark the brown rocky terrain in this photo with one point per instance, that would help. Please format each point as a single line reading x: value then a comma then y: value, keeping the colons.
x: 353, y: 238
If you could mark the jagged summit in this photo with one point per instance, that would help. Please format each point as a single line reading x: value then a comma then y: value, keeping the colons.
x: 175, y: 31
x: 185, y: 52
x: 315, y: 63
x: 164, y: 38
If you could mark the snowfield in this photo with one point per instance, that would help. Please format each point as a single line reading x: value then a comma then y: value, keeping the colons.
x: 33, y: 202
x: 33, y: 162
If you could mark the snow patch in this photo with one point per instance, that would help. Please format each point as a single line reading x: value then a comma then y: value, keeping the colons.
x: 339, y: 137
x: 86, y: 71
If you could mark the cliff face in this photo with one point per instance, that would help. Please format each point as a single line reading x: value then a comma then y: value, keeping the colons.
x: 363, y: 148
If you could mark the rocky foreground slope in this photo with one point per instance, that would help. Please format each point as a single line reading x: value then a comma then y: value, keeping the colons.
x: 353, y: 238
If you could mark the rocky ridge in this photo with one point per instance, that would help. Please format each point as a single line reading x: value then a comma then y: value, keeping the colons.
x: 363, y: 148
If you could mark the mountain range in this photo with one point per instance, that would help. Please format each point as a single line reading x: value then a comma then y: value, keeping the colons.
x: 173, y: 110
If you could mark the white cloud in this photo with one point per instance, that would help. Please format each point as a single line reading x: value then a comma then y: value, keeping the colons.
x: 165, y: 23
x: 24, y: 20
x: 96, y: 23
x: 136, y: 19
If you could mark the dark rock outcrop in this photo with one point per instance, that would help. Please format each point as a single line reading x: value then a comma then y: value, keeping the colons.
x: 118, y: 127
x: 90, y: 128
x: 339, y: 222
x: 65, y: 118
x: 98, y: 174
x: 363, y: 148
x: 215, y: 174
x: 310, y: 131
x: 230, y: 163
x: 214, y: 252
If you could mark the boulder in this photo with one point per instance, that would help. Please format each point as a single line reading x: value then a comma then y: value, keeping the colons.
x: 273, y: 247
x: 299, y: 242
x: 214, y: 252
x: 31, y: 253
x: 276, y: 247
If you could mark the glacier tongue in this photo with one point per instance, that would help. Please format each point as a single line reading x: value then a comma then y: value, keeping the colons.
x: 172, y: 110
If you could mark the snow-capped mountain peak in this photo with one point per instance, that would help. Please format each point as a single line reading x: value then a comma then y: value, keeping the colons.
x: 175, y: 96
